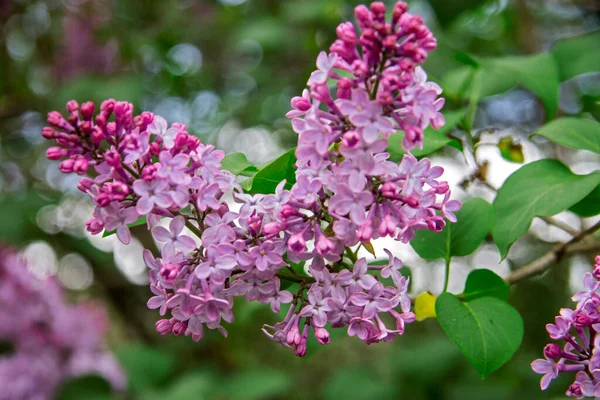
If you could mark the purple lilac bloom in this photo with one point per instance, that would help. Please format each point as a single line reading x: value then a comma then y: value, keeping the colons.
x: 578, y: 329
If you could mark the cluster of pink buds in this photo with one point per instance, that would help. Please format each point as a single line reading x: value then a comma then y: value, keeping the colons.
x: 346, y: 194
x: 51, y: 340
x: 579, y: 330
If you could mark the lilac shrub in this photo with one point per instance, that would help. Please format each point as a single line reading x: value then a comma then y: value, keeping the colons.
x: 346, y: 194
x: 51, y: 340
x: 578, y: 329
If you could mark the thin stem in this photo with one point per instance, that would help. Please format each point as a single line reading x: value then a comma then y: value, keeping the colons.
x: 447, y: 275
x: 546, y: 261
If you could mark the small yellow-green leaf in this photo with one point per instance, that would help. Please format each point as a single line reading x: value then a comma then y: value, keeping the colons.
x: 369, y: 247
x: 510, y: 150
x: 425, y: 306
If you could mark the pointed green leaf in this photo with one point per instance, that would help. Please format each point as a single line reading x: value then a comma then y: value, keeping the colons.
x: 238, y: 164
x: 266, y: 179
x: 589, y: 206
x: 577, y: 55
x: 474, y: 221
x: 483, y: 282
x: 576, y: 133
x: 542, y: 188
x: 487, y: 330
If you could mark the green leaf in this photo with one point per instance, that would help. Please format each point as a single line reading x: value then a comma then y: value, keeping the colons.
x: 483, y: 282
x: 238, y: 164
x: 540, y: 189
x: 146, y: 367
x: 432, y: 140
x: 589, y: 206
x: 576, y: 133
x: 140, y: 221
x: 577, y: 55
x: 266, y: 180
x: 511, y: 151
x: 258, y: 384
x: 90, y: 387
x: 538, y: 73
x: 474, y: 221
x: 487, y: 330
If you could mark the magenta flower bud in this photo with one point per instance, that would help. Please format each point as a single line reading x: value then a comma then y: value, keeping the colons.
x: 583, y: 320
x: 103, y: 199
x: 179, y: 327
x: 412, y: 201
x: 351, y: 139
x: 390, y: 190
x: 320, y: 91
x: 192, y: 142
x: 419, y: 56
x: 271, y: 229
x: 322, y: 335
x: 169, y: 272
x: 575, y: 391
x: 101, y: 120
x: 48, y: 133
x: 324, y: 245
x: 378, y: 9
x: 293, y: 335
x: 85, y: 184
x: 155, y: 148
x: 345, y: 31
x: 56, y: 119
x: 436, y: 224
x: 360, y: 68
x: 80, y: 166
x: 149, y: 172
x: 86, y: 127
x: 363, y: 16
x: 442, y: 188
x: 66, y: 166
x: 255, y: 223
x: 300, y: 350
x: 87, y: 110
x: 399, y: 9
x: 390, y: 41
x: 288, y: 211
x: 163, y: 326
x: 181, y: 140
x: 596, y: 272
x: 97, y: 135
x: 552, y: 351
x: 407, y: 65
x: 94, y: 226
x: 107, y: 106
x: 296, y: 243
x: 55, y: 153
x: 364, y: 232
x: 385, y: 97
x: 344, y: 88
x: 111, y: 128
x: 300, y: 103
x: 113, y: 158
x: 72, y: 106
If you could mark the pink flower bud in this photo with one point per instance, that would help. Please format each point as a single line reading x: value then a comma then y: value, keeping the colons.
x: 320, y: 91
x: 55, y: 153
x: 66, y: 166
x: 378, y: 9
x: 179, y: 328
x: 87, y: 110
x: 86, y: 127
x: 399, y: 9
x: 363, y: 16
x: 80, y: 166
x: 103, y: 199
x: 255, y: 223
x: 436, y: 224
x: 181, y: 140
x: 344, y: 88
x: 113, y: 158
x: 351, y: 139
x: 271, y: 229
x: 322, y: 335
x: 390, y: 41
x: 390, y: 190
x: 72, y: 106
x: 552, y: 351
x: 163, y: 326
x: 360, y: 68
x: 85, y: 184
x: 296, y: 243
x: 300, y: 103
x: 345, y: 31
x: 107, y: 106
x: 94, y: 226
x: 149, y: 172
x: 364, y: 233
x: 48, y: 133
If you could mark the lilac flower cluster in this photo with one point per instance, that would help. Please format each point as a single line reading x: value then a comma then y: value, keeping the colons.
x: 346, y: 194
x: 579, y: 329
x: 51, y: 340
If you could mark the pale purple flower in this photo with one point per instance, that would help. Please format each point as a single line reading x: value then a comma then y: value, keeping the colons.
x: 316, y: 308
x: 373, y: 302
x: 559, y: 330
x: 361, y: 327
x: 546, y: 367
x: 118, y: 218
x: 173, y: 236
x: 265, y: 255
x: 325, y: 64
x: 216, y: 262
x: 174, y: 168
x: 154, y: 193
x: 345, y: 202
